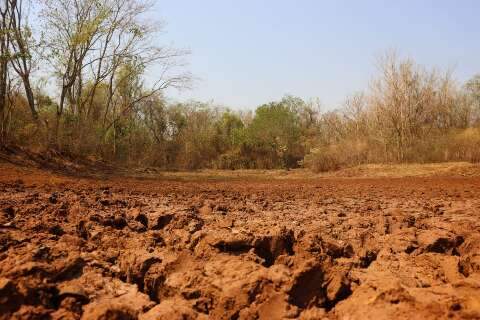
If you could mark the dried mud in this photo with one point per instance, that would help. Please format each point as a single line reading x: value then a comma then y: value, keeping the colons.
x: 124, y: 248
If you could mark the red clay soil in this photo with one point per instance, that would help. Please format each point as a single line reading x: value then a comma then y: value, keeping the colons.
x: 125, y: 248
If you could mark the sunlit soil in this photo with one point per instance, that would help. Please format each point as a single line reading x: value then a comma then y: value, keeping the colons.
x: 369, y: 242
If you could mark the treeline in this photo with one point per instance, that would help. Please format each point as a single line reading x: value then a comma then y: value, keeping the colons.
x: 76, y: 79
x: 77, y: 82
x: 409, y: 114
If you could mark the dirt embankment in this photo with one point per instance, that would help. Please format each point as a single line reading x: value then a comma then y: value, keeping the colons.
x: 121, y: 248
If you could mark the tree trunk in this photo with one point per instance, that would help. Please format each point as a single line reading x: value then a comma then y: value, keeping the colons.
x: 30, y: 98
x: 3, y: 99
x: 58, y: 117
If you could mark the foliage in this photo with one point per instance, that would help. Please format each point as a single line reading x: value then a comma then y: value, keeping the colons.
x: 96, y: 55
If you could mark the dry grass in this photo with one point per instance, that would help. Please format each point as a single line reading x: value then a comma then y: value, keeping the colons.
x: 411, y: 170
x: 460, y: 169
x: 11, y: 168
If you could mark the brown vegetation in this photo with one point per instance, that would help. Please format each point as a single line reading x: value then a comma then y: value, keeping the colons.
x: 102, y: 102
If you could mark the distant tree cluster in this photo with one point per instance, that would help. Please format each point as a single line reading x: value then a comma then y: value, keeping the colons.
x: 410, y: 114
x: 78, y: 83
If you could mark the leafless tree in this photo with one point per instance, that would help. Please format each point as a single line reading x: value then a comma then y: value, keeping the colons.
x: 5, y: 39
x: 21, y: 48
x: 90, y: 42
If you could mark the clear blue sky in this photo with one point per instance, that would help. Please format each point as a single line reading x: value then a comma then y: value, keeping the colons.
x: 248, y: 52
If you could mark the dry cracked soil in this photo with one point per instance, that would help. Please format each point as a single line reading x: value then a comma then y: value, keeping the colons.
x: 331, y: 248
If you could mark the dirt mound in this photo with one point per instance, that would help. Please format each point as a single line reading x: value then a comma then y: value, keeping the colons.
x: 55, y: 161
x: 149, y: 249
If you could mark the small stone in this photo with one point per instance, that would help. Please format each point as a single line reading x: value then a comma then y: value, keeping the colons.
x: 53, y: 198
x: 75, y: 291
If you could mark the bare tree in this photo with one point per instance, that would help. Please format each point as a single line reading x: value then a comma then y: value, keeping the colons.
x: 74, y: 27
x: 354, y: 111
x: 90, y: 41
x: 21, y: 47
x: 473, y: 98
x: 5, y: 39
x: 403, y: 98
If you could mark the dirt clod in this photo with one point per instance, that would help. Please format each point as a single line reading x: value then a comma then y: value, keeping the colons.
x: 336, y: 248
